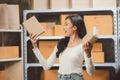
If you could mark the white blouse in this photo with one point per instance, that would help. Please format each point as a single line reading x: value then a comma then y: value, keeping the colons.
x: 71, y: 60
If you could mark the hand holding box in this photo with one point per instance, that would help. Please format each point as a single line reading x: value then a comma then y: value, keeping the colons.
x: 92, y: 36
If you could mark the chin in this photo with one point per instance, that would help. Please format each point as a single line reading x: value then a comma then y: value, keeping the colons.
x: 66, y: 36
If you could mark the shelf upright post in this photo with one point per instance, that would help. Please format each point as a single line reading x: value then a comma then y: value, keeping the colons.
x: 115, y: 30
x: 118, y: 37
x: 25, y: 46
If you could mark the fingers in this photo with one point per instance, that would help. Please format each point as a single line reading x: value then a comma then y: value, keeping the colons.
x: 87, y: 45
x: 87, y: 48
x: 33, y: 39
x: 33, y: 36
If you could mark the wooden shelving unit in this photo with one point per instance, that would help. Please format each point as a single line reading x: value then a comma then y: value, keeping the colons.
x: 13, y: 67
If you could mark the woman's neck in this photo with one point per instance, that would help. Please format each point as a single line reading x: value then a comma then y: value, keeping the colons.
x: 74, y: 40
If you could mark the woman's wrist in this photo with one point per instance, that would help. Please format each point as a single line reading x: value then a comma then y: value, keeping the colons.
x: 34, y: 45
x: 88, y: 55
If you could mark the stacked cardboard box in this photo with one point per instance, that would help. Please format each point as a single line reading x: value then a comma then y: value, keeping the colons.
x: 98, y: 75
x: 59, y: 30
x: 9, y: 52
x: 97, y: 53
x: 9, y: 16
x: 3, y: 16
x: 104, y: 3
x: 13, y: 17
x: 39, y: 4
x: 2, y: 75
x: 76, y: 4
x: 49, y: 75
x: 49, y: 28
x: 71, y: 4
x: 47, y: 47
x: 62, y: 4
x: 104, y: 23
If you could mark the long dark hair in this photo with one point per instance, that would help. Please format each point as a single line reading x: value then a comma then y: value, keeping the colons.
x: 77, y: 21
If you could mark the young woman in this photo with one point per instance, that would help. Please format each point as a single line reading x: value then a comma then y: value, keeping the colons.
x: 70, y: 51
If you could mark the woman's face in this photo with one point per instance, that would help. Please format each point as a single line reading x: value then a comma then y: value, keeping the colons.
x: 69, y: 28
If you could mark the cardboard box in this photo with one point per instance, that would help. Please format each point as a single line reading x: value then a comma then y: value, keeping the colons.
x: 2, y: 75
x: 47, y: 47
x: 104, y: 3
x: 3, y: 16
x: 49, y: 28
x: 62, y: 4
x: 49, y: 75
x: 9, y: 16
x: 39, y: 4
x: 104, y: 23
x: 97, y: 47
x: 98, y: 57
x: 59, y: 30
x: 76, y: 4
x: 33, y: 26
x: 9, y: 52
x: 98, y: 75
x: 13, y: 17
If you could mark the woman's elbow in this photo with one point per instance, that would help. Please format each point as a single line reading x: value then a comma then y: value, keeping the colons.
x: 91, y: 72
x: 46, y: 68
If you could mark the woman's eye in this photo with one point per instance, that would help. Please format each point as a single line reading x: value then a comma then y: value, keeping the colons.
x: 66, y: 24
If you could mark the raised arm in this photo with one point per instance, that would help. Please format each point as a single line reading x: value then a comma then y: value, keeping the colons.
x: 89, y: 65
x: 87, y: 56
x: 47, y: 64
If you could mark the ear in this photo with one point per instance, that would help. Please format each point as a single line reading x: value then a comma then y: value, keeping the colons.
x: 74, y: 28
